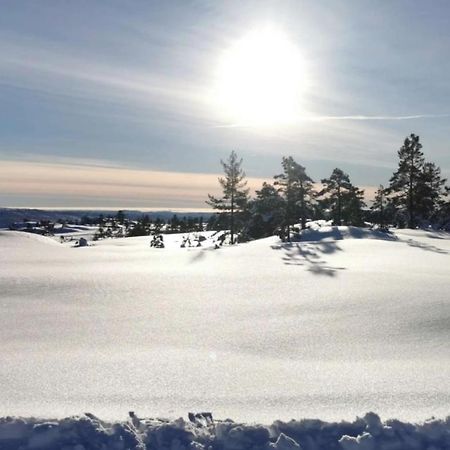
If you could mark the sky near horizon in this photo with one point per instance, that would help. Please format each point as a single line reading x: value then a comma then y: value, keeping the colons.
x: 130, y: 104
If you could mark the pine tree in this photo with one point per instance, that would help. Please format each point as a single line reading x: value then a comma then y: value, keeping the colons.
x: 443, y: 213
x: 407, y: 182
x: 235, y: 194
x: 120, y: 217
x: 379, y: 205
x: 157, y: 225
x: 267, y: 212
x: 296, y: 188
x: 335, y: 189
x: 175, y: 224
x: 353, y: 206
x: 268, y: 200
x: 431, y: 191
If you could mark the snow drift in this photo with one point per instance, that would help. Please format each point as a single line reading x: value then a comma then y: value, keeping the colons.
x: 88, y: 432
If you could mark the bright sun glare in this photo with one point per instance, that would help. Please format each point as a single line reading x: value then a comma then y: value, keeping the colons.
x: 261, y: 79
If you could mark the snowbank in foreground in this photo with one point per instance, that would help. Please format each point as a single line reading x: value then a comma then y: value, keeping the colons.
x: 88, y: 432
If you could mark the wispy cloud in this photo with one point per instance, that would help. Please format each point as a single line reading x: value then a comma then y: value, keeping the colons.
x: 363, y: 117
x: 51, y: 70
x: 358, y: 117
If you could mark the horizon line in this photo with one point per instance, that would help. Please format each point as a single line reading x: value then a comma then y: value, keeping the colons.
x: 106, y: 208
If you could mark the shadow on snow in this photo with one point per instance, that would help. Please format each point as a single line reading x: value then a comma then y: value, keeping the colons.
x: 310, y: 256
x: 337, y: 234
x: 426, y: 247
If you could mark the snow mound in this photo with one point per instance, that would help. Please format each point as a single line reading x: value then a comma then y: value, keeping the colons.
x: 29, y: 238
x: 89, y: 432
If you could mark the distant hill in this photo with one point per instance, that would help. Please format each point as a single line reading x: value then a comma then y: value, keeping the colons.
x: 11, y: 215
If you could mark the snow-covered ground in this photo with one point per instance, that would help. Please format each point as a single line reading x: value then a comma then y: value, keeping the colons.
x: 344, y: 322
x: 87, y: 432
x: 71, y: 233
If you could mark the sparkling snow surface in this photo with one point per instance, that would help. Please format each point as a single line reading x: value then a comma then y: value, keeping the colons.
x: 323, y: 328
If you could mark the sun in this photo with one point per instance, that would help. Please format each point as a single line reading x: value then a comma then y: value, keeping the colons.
x: 261, y: 79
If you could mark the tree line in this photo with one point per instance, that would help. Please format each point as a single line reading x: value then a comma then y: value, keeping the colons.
x: 120, y: 226
x: 417, y: 195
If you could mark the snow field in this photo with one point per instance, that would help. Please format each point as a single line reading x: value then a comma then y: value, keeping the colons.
x: 330, y: 327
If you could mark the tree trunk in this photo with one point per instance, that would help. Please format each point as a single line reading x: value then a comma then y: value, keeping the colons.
x: 302, y: 207
x: 410, y: 196
x: 339, y: 204
x: 232, y: 219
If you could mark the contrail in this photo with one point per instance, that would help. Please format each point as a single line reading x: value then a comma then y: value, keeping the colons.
x: 350, y: 117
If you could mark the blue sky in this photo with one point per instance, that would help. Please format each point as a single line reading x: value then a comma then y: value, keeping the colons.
x: 116, y: 95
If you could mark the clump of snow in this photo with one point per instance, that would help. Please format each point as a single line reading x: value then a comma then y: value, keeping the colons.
x: 88, y: 432
x: 363, y: 441
x: 285, y: 443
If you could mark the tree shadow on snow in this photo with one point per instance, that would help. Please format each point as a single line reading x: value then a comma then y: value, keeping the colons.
x: 310, y: 256
x: 437, y: 234
x: 199, y: 254
x: 426, y: 247
x: 338, y: 233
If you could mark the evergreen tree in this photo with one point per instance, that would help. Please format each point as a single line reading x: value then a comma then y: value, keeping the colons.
x: 211, y: 224
x: 336, y: 189
x: 353, y: 206
x: 157, y: 225
x: 235, y: 194
x: 406, y: 184
x: 175, y: 224
x: 120, y: 217
x: 138, y: 229
x: 443, y: 213
x: 379, y: 205
x: 296, y: 188
x: 99, y: 234
x: 146, y: 223
x: 267, y: 212
x: 431, y: 191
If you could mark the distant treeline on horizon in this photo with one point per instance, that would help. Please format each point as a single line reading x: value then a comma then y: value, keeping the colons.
x: 11, y: 215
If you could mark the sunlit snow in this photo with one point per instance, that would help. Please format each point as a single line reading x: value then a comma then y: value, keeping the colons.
x: 343, y: 322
